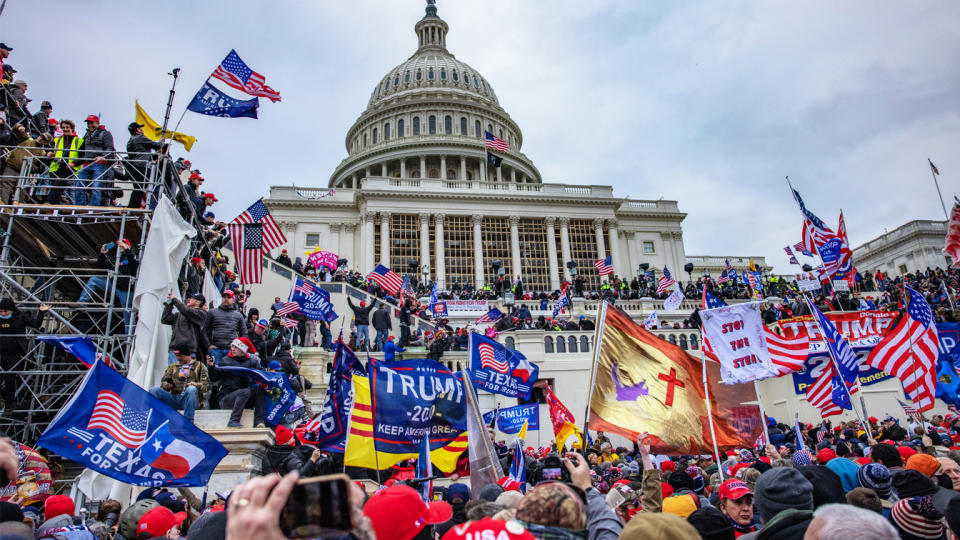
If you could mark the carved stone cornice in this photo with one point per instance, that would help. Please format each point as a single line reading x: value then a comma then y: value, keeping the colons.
x: 564, y: 222
x: 598, y: 223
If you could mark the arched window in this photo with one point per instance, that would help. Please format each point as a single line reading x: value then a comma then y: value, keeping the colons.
x: 476, y: 82
x: 463, y: 126
x: 396, y: 80
x: 584, y: 344
x: 364, y: 140
x: 466, y: 78
x: 432, y: 122
x: 572, y: 344
x: 501, y: 134
x: 490, y: 128
x: 400, y: 126
x: 548, y: 344
x: 683, y: 342
x: 406, y: 77
x: 443, y: 74
x: 561, y: 344
x: 476, y: 129
x: 416, y: 125
x: 455, y: 77
x: 419, y: 74
x: 469, y: 175
x: 448, y: 125
x: 672, y: 339
x: 386, y: 131
x: 430, y: 74
x: 374, y: 135
x: 509, y: 342
x: 694, y: 342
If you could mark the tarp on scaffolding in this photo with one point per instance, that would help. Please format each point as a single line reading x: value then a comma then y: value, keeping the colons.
x: 168, y: 243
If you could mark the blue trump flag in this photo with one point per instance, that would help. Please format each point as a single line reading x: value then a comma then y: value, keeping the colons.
x: 948, y: 364
x: 329, y: 430
x: 414, y: 399
x: 278, y: 395
x: 511, y: 419
x: 209, y: 100
x: 500, y: 370
x: 118, y: 429
x: 80, y: 346
x: 314, y: 302
x: 847, y: 363
x: 433, y: 295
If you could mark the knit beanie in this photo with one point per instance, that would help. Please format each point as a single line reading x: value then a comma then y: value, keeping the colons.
x: 846, y: 470
x: 801, y: 458
x: 916, y: 516
x: 877, y: 477
x: 782, y: 488
x: 711, y: 524
x: 209, y: 526
x: 912, y: 484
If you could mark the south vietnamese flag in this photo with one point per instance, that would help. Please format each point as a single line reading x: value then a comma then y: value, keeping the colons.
x: 164, y: 451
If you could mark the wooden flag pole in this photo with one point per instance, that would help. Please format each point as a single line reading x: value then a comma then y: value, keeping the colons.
x: 597, y: 343
x: 706, y: 394
x: 763, y: 413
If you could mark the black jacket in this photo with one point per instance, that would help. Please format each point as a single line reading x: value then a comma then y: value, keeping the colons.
x: 361, y: 314
x: 12, y: 348
x: 139, y: 152
x: 381, y: 319
x: 127, y: 269
x: 98, y: 142
x: 230, y: 382
x: 187, y: 326
x: 285, y: 458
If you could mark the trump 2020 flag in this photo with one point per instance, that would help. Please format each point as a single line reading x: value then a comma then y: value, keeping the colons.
x: 212, y: 102
x: 500, y: 370
x: 80, y: 346
x: 511, y: 419
x: 116, y: 428
x: 278, y: 395
x: 314, y: 302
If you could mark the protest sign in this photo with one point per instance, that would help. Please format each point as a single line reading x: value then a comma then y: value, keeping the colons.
x: 511, y: 419
x: 737, y: 339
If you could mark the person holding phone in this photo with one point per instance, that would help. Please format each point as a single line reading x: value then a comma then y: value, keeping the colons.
x: 114, y: 255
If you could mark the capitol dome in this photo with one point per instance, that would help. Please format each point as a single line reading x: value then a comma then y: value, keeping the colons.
x: 427, y: 118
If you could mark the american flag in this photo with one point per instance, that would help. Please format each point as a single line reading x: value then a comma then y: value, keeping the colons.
x: 288, y: 308
x: 723, y: 278
x: 290, y: 323
x: 386, y: 278
x: 492, y: 357
x: 604, y: 266
x: 562, y: 304
x: 709, y: 302
x: 799, y: 433
x: 406, y: 288
x: 933, y: 167
x: 820, y: 393
x: 666, y: 281
x: 247, y: 239
x: 840, y: 348
x: 761, y: 440
x: 257, y: 213
x: 496, y: 143
x: 787, y: 355
x: 303, y: 287
x: 815, y: 232
x: 236, y: 74
x: 822, y: 432
x: 845, y: 264
x: 788, y: 250
x: 127, y: 426
x: 910, y: 351
x: 491, y: 316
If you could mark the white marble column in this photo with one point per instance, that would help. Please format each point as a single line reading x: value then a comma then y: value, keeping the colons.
x: 403, y: 168
x: 368, y: 242
x: 441, y: 265
x: 627, y: 258
x: 385, y: 239
x: 667, y: 239
x: 423, y: 166
x: 552, y: 253
x: 463, y: 168
x: 483, y: 169
x: 347, y: 242
x: 615, y: 247
x: 477, y: 251
x: 515, y: 247
x: 565, y: 247
x: 499, y: 173
x: 601, y: 245
x: 424, y: 241
x: 383, y: 169
x: 443, y: 167
x: 513, y: 175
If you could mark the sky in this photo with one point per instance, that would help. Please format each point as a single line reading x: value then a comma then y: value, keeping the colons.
x: 711, y: 104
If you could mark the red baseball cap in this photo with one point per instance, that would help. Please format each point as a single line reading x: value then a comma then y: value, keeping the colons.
x: 825, y: 455
x: 93, y: 118
x: 399, y: 513
x: 210, y: 196
x: 158, y: 520
x: 488, y: 528
x: 734, y: 489
x: 57, y: 505
x: 905, y: 452
x: 228, y: 292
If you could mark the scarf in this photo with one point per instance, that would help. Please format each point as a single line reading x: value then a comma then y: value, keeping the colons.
x: 739, y: 529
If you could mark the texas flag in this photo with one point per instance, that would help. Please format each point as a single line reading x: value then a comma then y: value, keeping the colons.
x: 164, y: 451
x: 525, y: 369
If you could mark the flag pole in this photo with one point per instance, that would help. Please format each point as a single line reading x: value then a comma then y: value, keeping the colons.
x: 763, y: 413
x: 706, y: 396
x: 933, y: 172
x: 597, y: 343
x: 166, y: 115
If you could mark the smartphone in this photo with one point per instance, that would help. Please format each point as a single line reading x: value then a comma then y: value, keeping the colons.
x: 317, y: 507
x: 110, y: 246
x: 553, y: 473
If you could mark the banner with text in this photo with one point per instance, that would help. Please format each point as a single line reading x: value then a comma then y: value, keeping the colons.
x: 467, y: 305
x: 737, y: 338
x: 511, y: 419
x: 500, y: 370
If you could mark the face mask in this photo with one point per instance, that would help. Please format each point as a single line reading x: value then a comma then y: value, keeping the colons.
x: 6, y: 316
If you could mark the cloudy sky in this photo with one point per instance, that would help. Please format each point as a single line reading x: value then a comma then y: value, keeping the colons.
x: 708, y: 103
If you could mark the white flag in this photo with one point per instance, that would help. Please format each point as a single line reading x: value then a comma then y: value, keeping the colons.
x: 210, y: 291
x: 652, y: 321
x: 673, y: 301
x: 737, y: 338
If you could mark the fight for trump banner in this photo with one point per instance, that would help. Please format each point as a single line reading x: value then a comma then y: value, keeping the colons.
x: 511, y: 419
x: 468, y: 305
x: 116, y: 428
x: 500, y: 370
x: 278, y: 395
x: 314, y: 302
x: 737, y: 339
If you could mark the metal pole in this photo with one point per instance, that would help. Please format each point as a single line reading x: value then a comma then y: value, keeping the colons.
x: 166, y: 116
x: 939, y: 194
x: 706, y: 396
x: 763, y: 414
x: 597, y: 342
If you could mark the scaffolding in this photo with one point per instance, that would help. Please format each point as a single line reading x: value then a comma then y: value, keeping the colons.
x: 50, y: 255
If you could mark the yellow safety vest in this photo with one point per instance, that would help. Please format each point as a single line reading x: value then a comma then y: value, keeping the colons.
x: 58, y: 145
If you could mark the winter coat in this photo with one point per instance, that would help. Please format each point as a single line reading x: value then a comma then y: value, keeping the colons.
x: 381, y: 319
x: 225, y: 324
x: 230, y: 382
x: 361, y: 314
x: 12, y: 348
x: 98, y: 142
x: 187, y: 326
x: 127, y: 269
x: 283, y: 458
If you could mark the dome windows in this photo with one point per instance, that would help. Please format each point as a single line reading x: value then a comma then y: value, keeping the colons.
x: 476, y: 129
x: 463, y: 126
x: 386, y: 132
x: 416, y: 125
x: 476, y: 82
x: 455, y: 76
x: 374, y: 135
x: 443, y: 74
x: 448, y: 125
x: 396, y: 81
x: 430, y: 74
x: 400, y: 126
x: 466, y: 78
x: 419, y: 74
x: 432, y: 122
x: 406, y: 77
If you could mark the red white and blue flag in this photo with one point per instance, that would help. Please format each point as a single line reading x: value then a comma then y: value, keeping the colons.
x: 491, y: 316
x: 386, y: 278
x: 110, y: 414
x: 288, y: 308
x: 604, y: 266
x: 500, y: 370
x: 495, y: 143
x: 164, y: 451
x: 273, y: 237
x: 236, y: 74
x: 666, y: 281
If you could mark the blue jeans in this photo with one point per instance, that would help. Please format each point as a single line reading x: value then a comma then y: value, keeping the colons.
x: 98, y: 284
x: 363, y: 332
x: 186, y: 400
x: 326, y: 341
x: 382, y: 338
x: 218, y: 355
x: 89, y: 193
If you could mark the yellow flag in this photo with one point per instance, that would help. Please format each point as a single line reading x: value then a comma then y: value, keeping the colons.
x: 523, y: 432
x: 360, y: 446
x: 151, y: 130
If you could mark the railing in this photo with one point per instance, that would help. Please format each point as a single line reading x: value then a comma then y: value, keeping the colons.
x: 439, y: 184
x: 566, y: 342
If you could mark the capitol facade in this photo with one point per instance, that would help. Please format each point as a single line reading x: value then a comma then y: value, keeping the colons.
x: 417, y: 194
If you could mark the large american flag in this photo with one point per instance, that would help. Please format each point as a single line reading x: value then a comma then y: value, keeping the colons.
x: 386, y: 278
x: 665, y: 282
x: 910, y: 351
x: 787, y: 355
x: 845, y: 264
x: 247, y: 239
x: 127, y: 426
x: 493, y: 358
x: 839, y: 347
x: 288, y: 308
x: 236, y: 74
x: 273, y: 237
x: 604, y: 266
x: 491, y: 316
x: 820, y: 393
x: 496, y: 143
